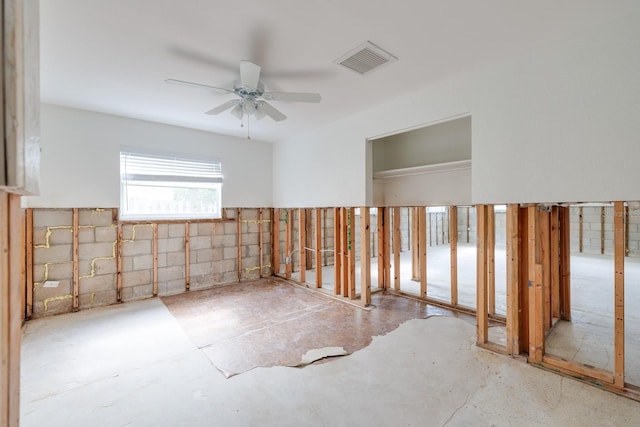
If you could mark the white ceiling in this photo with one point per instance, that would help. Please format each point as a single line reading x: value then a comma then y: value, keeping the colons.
x: 113, y: 56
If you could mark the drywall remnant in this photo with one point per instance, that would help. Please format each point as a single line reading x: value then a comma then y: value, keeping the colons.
x: 46, y: 302
x: 51, y: 284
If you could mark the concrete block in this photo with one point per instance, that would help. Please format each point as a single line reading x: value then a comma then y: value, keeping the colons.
x: 95, y: 250
x: 230, y: 213
x: 106, y: 234
x: 60, y: 236
x: 127, y: 232
x: 166, y: 274
x: 230, y: 253
x: 200, y: 242
x: 61, y: 271
x: 97, y: 299
x: 175, y: 258
x: 228, y: 265
x: 54, y: 254
x: 106, y: 266
x: 141, y: 292
x: 163, y: 231
x: 39, y: 236
x: 84, y: 268
x: 250, y: 262
x: 230, y: 277
x: 142, y: 262
x: 136, y: 247
x: 250, y: 214
x: 173, y: 244
x: 176, y: 230
x: 52, y: 217
x: 253, y: 250
x: 162, y: 260
x: 173, y: 287
x: 252, y: 227
x: 136, y: 278
x: 101, y: 217
x: 252, y: 274
x: 203, y: 255
x: 250, y: 239
x: 99, y: 283
x: 230, y: 228
x: 204, y: 228
x: 127, y: 263
x: 224, y: 241
x: 86, y: 235
x: 200, y: 269
x: 217, y: 254
x: 143, y: 232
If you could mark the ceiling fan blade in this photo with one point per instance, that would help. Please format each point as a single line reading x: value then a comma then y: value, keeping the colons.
x: 184, y: 83
x: 270, y: 111
x: 220, y: 108
x: 292, y: 96
x: 249, y: 74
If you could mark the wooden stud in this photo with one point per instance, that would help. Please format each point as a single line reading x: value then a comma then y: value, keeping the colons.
x: 187, y: 256
x: 344, y: 222
x: 397, y: 248
x: 386, y: 250
x: 381, y: 259
x: 565, y: 263
x: 513, y: 263
x: 12, y: 274
x: 523, y: 278
x: 422, y: 244
x: 275, y: 241
x: 318, y: 246
x: 580, y: 229
x: 337, y: 251
x: 554, y: 264
x: 430, y: 225
x: 415, y: 244
x: 288, y: 242
x: 491, y: 261
x: 239, y: 222
x: 76, y: 260
x: 468, y: 223
x: 260, y: 241
x: 352, y: 254
x: 536, y: 326
x: 154, y: 246
x: 119, y: 264
x: 545, y: 261
x: 619, y: 254
x: 302, y: 241
x: 453, y: 242
x: 602, y: 216
x: 365, y: 256
x: 482, y: 315
x: 325, y: 253
x: 308, y: 232
x: 29, y: 264
x: 626, y: 230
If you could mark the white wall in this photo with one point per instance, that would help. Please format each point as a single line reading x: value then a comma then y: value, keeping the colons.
x: 80, y: 158
x: 558, y: 124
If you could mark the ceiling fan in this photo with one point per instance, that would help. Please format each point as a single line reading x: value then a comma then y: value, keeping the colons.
x: 252, y: 99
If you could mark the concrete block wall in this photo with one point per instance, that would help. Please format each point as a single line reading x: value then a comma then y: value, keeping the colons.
x: 591, y: 230
x: 463, y: 224
x: 213, y: 256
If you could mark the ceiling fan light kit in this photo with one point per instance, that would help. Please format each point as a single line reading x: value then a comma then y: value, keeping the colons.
x: 252, y: 97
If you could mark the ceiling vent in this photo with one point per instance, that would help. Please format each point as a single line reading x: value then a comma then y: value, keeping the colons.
x: 365, y: 58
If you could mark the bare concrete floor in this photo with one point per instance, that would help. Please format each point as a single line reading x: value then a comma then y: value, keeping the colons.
x: 133, y: 364
x: 587, y: 339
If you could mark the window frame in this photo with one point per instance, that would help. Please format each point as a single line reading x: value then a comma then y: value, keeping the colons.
x: 210, y: 178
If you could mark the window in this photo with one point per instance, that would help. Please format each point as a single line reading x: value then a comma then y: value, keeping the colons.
x: 167, y: 187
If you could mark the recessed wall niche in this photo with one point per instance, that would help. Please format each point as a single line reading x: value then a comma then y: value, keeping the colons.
x: 426, y: 166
